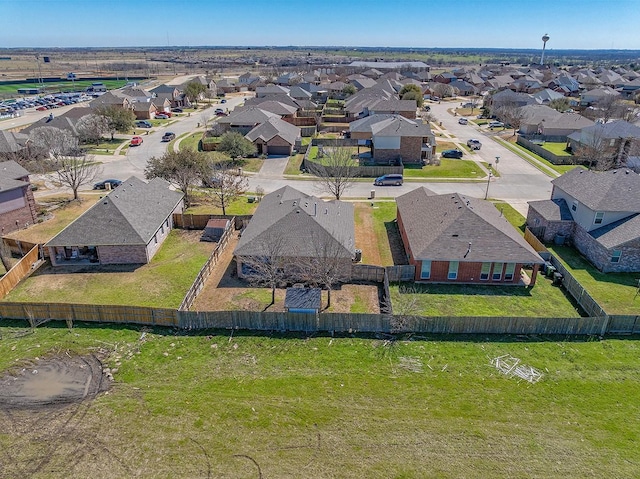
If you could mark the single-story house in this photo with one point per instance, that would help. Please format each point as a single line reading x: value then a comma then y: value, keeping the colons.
x: 292, y: 227
x: 127, y: 226
x: 274, y: 137
x: 452, y: 238
x: 17, y: 205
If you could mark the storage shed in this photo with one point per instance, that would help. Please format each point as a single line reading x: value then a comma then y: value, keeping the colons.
x: 214, y: 229
x: 303, y: 300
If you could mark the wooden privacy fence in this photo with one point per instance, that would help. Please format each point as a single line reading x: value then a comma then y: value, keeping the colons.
x: 537, y: 245
x: 334, y: 322
x: 206, y: 269
x: 198, y: 222
x: 27, y: 264
x: 367, y: 272
x: 589, y: 305
x: 18, y: 247
x: 399, y: 273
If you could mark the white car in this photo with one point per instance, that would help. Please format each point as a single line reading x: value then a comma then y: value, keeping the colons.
x: 496, y: 124
x: 474, y: 144
x: 463, y: 121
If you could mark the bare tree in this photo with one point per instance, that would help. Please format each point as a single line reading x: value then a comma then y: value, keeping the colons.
x: 336, y: 172
x: 512, y: 114
x: 227, y: 184
x: 268, y: 267
x: 54, y: 141
x: 442, y: 90
x: 610, y: 107
x: 75, y: 169
x: 91, y: 128
x: 596, y: 150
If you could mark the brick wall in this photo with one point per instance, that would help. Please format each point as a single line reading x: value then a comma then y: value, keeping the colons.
x: 410, y: 151
x: 552, y: 228
x: 21, y: 217
x: 120, y: 254
x: 600, y: 256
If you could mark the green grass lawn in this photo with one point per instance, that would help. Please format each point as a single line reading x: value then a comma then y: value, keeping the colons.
x: 512, y: 215
x: 543, y: 300
x: 448, y: 168
x: 106, y: 147
x: 615, y: 292
x: 62, y: 85
x: 294, y: 164
x: 202, y: 205
x: 215, y: 405
x: 190, y: 141
x: 547, y: 165
x: 558, y: 149
x: 161, y: 283
x: 384, y: 215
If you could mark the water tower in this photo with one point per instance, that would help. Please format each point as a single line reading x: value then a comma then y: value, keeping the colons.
x: 545, y: 39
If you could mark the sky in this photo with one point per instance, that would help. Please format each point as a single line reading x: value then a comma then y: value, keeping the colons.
x: 570, y: 24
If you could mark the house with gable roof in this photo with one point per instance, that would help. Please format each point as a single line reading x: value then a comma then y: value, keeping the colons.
x: 274, y: 137
x: 452, y: 238
x: 17, y: 205
x: 127, y: 226
x: 597, y: 212
x: 304, y: 227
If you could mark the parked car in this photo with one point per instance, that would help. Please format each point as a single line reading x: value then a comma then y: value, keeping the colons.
x: 223, y: 101
x: 143, y: 124
x: 136, y: 140
x: 168, y: 136
x: 474, y: 144
x: 41, y: 108
x: 452, y: 154
x: 221, y: 113
x: 161, y: 116
x: 219, y: 110
x: 463, y: 121
x: 387, y: 180
x: 176, y: 110
x: 496, y: 124
x: 102, y: 185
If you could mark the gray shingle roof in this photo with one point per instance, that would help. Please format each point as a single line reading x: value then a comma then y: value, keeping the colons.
x: 10, y: 171
x: 130, y: 215
x: 552, y: 210
x: 400, y: 126
x: 618, y: 233
x: 275, y: 127
x: 614, y: 190
x: 303, y: 222
x: 8, y: 142
x: 452, y: 227
x: 248, y: 116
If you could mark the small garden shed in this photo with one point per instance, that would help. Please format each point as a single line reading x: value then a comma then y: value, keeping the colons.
x: 214, y: 229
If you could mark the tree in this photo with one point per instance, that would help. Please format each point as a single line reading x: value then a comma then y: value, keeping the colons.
x: 560, y: 104
x: 336, y: 172
x: 596, y: 151
x: 442, y: 90
x: 269, y: 267
x: 54, y: 141
x: 193, y: 90
x: 512, y: 114
x: 412, y: 92
x: 227, y: 184
x: 76, y: 169
x: 90, y: 128
x: 349, y: 90
x: 118, y: 119
x: 184, y: 168
x: 235, y: 145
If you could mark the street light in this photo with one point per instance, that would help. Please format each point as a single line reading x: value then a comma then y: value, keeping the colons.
x: 486, y: 192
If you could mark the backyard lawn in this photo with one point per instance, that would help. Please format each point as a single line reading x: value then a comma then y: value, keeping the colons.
x: 548, y: 168
x: 222, y: 404
x: 617, y: 293
x: 105, y: 147
x: 161, y: 283
x: 558, y: 149
x: 202, y: 204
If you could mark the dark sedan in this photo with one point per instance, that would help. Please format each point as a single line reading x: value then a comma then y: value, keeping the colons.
x: 452, y: 154
x: 102, y: 185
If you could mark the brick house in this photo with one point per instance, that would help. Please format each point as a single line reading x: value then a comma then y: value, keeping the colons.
x: 274, y: 137
x: 297, y: 228
x: 451, y: 238
x: 17, y: 205
x: 127, y: 226
x: 394, y: 138
x: 597, y: 212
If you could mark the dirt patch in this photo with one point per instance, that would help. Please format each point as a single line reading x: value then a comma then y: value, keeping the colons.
x: 365, y: 237
x: 59, y: 380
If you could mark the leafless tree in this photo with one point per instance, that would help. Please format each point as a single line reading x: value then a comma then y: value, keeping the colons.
x: 268, y: 267
x: 442, y: 90
x: 596, y: 151
x: 91, y: 128
x: 336, y: 172
x: 610, y: 107
x: 54, y: 141
x: 327, y: 266
x: 227, y: 184
x: 75, y: 169
x: 512, y: 114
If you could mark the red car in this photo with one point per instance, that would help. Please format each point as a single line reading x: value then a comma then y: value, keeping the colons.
x: 136, y: 140
x: 42, y: 108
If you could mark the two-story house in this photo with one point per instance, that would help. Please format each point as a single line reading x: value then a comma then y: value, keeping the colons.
x: 598, y: 213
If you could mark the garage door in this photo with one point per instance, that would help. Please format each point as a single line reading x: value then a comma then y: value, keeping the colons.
x: 279, y: 150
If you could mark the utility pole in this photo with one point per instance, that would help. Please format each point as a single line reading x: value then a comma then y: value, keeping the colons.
x: 486, y: 192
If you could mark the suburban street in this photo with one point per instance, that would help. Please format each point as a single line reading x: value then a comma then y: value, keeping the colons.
x: 518, y: 183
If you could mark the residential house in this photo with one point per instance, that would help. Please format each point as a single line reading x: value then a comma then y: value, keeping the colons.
x: 144, y: 110
x: 12, y: 142
x: 295, y: 228
x: 394, y: 138
x: 405, y: 108
x: 274, y: 137
x: 17, y: 205
x: 593, y: 97
x: 597, y: 212
x: 452, y: 238
x: 559, y: 128
x: 533, y: 116
x: 546, y: 96
x: 245, y: 120
x: 616, y: 141
x: 127, y: 226
x: 271, y: 90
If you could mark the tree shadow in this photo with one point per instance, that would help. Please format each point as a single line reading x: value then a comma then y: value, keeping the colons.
x: 398, y: 253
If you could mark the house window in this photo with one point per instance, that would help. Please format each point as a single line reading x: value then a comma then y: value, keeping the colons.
x: 425, y: 271
x: 508, y: 271
x: 497, y: 271
x: 574, y: 206
x: 615, y: 257
x: 598, y: 218
x: 453, y: 270
x: 484, y: 273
